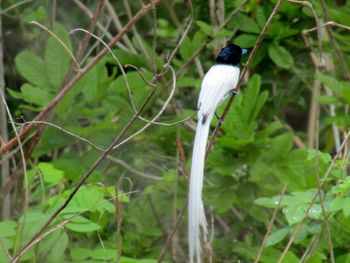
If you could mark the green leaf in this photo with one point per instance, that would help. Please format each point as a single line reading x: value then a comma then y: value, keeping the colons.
x: 223, y: 33
x: 126, y: 57
x: 294, y: 213
x: 185, y: 82
x: 39, y: 96
x: 260, y: 16
x: 246, y: 40
x: 104, y: 254
x: 32, y: 68
x: 346, y: 207
x: 57, y: 251
x: 50, y: 174
x: 206, y: 28
x: 290, y: 258
x: 186, y: 49
x: 57, y: 58
x: 79, y: 253
x: 277, y: 237
x: 82, y: 224
x: 268, y: 202
x: 198, y: 40
x: 328, y: 100
x: 280, y: 56
x: 345, y: 258
x: 34, y: 221
x: 7, y: 228
x: 336, y: 204
x: 88, y: 198
x: 247, y: 24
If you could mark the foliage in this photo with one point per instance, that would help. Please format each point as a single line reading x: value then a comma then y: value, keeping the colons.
x: 143, y: 184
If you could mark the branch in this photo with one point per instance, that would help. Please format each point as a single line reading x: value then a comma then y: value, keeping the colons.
x: 244, y: 71
x: 46, y: 111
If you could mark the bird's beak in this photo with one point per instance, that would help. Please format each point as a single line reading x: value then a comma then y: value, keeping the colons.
x: 244, y: 51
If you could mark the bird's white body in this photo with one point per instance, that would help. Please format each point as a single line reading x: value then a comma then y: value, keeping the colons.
x: 217, y: 84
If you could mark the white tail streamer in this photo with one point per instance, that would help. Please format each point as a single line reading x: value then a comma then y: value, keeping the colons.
x: 217, y: 83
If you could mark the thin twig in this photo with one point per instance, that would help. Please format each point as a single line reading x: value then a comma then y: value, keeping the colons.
x: 322, y: 181
x: 4, y: 136
x: 14, y: 6
x: 92, y: 24
x: 328, y: 24
x: 41, y: 116
x: 172, y: 232
x: 63, y: 130
x: 101, y: 27
x: 172, y: 92
x: 66, y: 221
x: 269, y: 228
x: 127, y: 82
x: 133, y: 170
x: 244, y: 71
x: 118, y: 25
x: 82, y: 181
x: 23, y: 159
x: 59, y: 41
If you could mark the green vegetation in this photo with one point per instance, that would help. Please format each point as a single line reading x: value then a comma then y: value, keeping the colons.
x: 282, y: 152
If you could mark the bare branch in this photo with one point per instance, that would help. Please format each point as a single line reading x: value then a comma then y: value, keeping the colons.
x: 52, y: 105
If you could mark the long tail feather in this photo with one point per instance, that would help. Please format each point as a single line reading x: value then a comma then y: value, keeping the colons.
x: 196, y: 210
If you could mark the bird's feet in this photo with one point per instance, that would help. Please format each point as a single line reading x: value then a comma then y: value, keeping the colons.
x: 219, y: 119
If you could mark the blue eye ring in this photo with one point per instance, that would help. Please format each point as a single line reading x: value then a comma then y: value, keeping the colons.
x: 244, y: 51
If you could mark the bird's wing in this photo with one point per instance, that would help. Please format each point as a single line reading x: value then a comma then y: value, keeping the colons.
x: 216, y: 85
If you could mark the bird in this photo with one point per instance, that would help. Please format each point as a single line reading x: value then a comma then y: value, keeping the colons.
x: 218, y: 83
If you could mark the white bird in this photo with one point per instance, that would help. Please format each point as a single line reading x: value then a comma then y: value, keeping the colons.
x: 219, y: 82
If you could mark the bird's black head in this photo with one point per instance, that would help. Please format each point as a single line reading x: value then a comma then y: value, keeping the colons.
x: 230, y: 55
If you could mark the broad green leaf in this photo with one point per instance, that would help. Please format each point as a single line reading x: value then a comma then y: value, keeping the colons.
x: 88, y: 198
x: 280, y: 56
x: 132, y: 260
x: 82, y: 224
x: 186, y: 49
x: 346, y: 207
x: 57, y: 58
x: 245, y: 40
x: 57, y: 251
x: 268, y: 202
x: 3, y: 256
x: 198, y: 40
x: 32, y: 68
x: 341, y: 88
x: 315, y: 212
x: 50, y: 174
x: 33, y: 222
x: 345, y: 258
x: 206, y: 28
x: 247, y: 24
x: 104, y: 254
x: 185, y: 82
x: 260, y: 16
x: 126, y: 57
x: 7, y: 228
x: 280, y: 146
x: 328, y: 100
x: 294, y: 213
x: 36, y: 14
x: 39, y: 96
x: 79, y: 253
x: 223, y: 33
x: 336, y: 204
x: 277, y: 236
x: 290, y: 258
